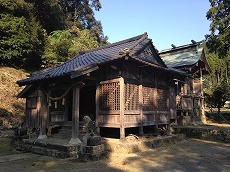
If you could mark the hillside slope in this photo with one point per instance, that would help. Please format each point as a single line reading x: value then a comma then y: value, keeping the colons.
x: 11, y: 108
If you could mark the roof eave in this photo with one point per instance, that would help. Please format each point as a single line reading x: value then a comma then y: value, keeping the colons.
x: 161, y: 68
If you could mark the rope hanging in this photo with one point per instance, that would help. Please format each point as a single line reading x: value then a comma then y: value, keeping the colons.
x: 50, y: 102
x: 63, y: 101
x: 57, y: 98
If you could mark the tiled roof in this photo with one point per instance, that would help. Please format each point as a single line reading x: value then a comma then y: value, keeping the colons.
x: 182, y: 56
x: 88, y: 61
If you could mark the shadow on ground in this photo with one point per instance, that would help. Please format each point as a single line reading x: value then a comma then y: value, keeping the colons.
x: 189, y: 155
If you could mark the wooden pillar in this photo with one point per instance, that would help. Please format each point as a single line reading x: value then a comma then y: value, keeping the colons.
x: 157, y: 117
x: 97, y: 107
x: 193, y: 99
x: 141, y: 130
x: 66, y: 112
x: 169, y: 112
x: 28, y: 116
x: 48, y: 110
x: 203, y: 118
x: 75, y: 114
x: 42, y: 111
x: 122, y: 97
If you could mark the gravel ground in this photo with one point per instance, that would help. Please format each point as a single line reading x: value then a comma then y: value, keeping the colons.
x: 188, y: 155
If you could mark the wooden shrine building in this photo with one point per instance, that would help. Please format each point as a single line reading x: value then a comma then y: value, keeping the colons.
x: 120, y: 86
x: 190, y: 96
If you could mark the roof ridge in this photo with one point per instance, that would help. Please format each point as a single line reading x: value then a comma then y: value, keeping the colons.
x: 114, y: 44
x: 181, y: 47
x: 145, y: 35
x: 92, y: 50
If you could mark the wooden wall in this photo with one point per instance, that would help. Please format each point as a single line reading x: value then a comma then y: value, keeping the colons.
x: 126, y: 96
x: 32, y: 117
x: 143, y: 102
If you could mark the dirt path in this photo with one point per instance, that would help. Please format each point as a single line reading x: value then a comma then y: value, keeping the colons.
x: 189, y: 155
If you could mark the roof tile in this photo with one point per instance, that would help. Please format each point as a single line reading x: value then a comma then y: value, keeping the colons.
x: 89, y: 60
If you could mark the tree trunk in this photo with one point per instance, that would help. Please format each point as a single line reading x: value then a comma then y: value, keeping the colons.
x: 218, y: 111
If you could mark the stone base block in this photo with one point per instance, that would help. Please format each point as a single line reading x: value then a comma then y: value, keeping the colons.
x: 91, y: 140
x: 75, y: 141
x: 93, y: 149
x: 42, y: 137
x: 92, y: 152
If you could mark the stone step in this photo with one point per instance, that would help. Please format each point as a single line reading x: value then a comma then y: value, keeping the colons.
x: 64, y: 131
x: 48, y: 149
x: 61, y: 136
x: 69, y: 125
x: 67, y: 131
x: 44, y: 151
x: 67, y: 134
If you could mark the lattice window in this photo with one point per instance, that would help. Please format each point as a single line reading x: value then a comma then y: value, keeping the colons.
x: 109, y: 96
x: 148, y: 99
x: 131, y: 97
x: 162, y: 99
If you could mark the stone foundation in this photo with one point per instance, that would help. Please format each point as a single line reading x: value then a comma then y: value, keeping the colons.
x: 48, y: 148
x: 143, y: 144
x: 205, y: 132
x: 189, y: 120
x: 92, y: 148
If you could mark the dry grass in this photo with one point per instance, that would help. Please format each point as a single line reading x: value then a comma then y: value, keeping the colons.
x: 11, y: 108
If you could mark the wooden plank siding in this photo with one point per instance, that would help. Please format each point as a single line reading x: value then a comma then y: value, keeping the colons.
x: 124, y: 105
x: 32, y: 116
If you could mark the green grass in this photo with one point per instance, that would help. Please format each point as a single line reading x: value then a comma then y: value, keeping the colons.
x: 5, y: 146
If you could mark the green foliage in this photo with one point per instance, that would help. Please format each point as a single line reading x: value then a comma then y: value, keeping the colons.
x: 219, y: 94
x: 20, y: 34
x: 57, y: 46
x: 82, y: 40
x: 50, y: 13
x: 219, y: 15
x: 42, y: 32
x: 218, y: 54
x: 218, y: 68
x: 216, y: 85
x: 80, y: 14
x: 62, y: 45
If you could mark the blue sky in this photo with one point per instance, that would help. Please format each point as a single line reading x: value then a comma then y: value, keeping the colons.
x: 165, y: 21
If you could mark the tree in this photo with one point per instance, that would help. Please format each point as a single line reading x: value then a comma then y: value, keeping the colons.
x: 219, y: 15
x: 218, y: 68
x: 218, y: 54
x: 62, y: 45
x: 27, y: 26
x: 80, y: 13
x: 220, y: 93
x: 21, y: 35
x: 50, y: 14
